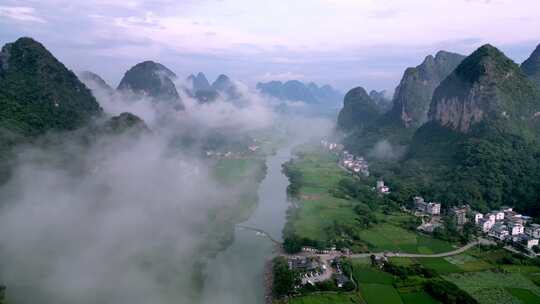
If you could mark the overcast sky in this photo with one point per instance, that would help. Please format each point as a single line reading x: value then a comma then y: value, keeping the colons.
x: 341, y: 42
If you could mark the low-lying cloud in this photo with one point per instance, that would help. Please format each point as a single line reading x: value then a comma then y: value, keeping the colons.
x: 123, y: 218
x: 119, y: 221
x: 384, y: 150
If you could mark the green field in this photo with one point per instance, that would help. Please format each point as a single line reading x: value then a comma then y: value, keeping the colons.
x: 320, y: 211
x: 388, y: 237
x: 489, y: 287
x: 524, y: 295
x: 329, y: 299
x: 471, y: 271
x: 380, y: 294
x: 440, y: 265
x: 375, y: 287
x: 417, y: 298
x: 467, y: 262
x: 366, y: 274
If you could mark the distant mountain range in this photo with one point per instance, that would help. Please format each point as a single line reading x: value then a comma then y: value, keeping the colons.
x: 294, y: 90
x: 204, y: 92
x: 94, y: 82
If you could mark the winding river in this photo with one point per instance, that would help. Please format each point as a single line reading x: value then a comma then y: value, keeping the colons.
x: 236, y: 275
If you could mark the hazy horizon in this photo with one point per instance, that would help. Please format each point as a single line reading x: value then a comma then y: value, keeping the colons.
x: 341, y: 43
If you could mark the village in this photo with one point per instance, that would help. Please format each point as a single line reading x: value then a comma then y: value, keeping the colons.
x: 356, y: 165
x: 514, y: 231
x: 503, y: 225
x: 251, y: 149
x: 317, y: 266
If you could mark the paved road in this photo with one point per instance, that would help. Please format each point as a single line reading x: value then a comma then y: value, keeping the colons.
x: 417, y: 255
x: 404, y: 255
x: 327, y: 257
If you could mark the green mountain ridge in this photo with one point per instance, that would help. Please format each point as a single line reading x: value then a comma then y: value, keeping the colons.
x: 151, y: 79
x: 359, y: 110
x: 531, y: 66
x: 413, y: 94
x: 485, y: 87
x: 38, y: 93
x: 480, y: 145
x: 410, y: 105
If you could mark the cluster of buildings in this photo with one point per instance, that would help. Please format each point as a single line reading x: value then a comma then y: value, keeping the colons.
x: 503, y: 225
x: 430, y: 208
x: 311, y: 269
x: 340, y: 278
x: 355, y: 164
x: 232, y: 155
x: 331, y: 250
x: 507, y: 225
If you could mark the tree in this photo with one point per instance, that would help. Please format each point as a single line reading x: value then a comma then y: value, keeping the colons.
x: 448, y: 293
x: 292, y: 244
x: 2, y: 294
x: 284, y: 279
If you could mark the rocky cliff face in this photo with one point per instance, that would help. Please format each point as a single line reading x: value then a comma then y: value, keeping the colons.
x: 413, y: 95
x: 531, y: 66
x: 359, y: 110
x: 38, y: 93
x: 486, y: 86
x: 151, y: 79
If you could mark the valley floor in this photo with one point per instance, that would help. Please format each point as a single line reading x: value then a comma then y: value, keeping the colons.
x: 322, y: 216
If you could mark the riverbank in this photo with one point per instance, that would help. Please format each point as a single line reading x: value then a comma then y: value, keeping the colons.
x: 245, y: 258
x: 334, y: 209
x: 242, y: 177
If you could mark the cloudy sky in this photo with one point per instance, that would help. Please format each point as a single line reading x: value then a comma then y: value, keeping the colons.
x: 341, y: 42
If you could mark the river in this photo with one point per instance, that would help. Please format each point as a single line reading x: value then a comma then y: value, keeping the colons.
x: 236, y: 275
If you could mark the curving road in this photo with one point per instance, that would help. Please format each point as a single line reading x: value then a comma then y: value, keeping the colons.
x: 387, y: 254
x: 418, y: 255
x: 404, y: 255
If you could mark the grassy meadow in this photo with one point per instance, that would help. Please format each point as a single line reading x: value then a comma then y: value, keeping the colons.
x: 489, y: 275
x: 328, y: 218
